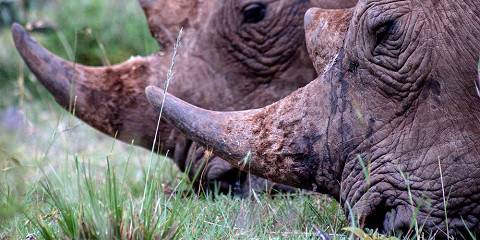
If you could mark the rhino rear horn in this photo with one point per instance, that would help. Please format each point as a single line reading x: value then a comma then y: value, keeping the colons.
x: 107, y: 98
x: 325, y: 31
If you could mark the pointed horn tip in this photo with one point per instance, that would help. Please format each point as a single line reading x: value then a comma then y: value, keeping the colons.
x: 25, y: 44
x: 173, y: 107
x: 308, y: 17
x: 201, y: 125
x: 16, y: 28
x: 154, y: 95
x: 47, y: 68
x: 19, y: 34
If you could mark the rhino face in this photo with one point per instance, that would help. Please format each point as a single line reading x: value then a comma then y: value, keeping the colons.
x: 234, y: 55
x: 390, y: 129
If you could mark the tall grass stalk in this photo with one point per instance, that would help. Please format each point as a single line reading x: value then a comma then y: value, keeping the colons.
x: 412, y: 205
x: 444, y: 197
x: 170, y: 76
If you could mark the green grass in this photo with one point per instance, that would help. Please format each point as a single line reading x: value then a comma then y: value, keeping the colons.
x: 69, y: 182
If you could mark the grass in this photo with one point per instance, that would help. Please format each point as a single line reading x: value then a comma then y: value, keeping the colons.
x: 69, y: 182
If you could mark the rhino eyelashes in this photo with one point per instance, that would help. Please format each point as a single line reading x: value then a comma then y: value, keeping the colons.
x: 254, y: 12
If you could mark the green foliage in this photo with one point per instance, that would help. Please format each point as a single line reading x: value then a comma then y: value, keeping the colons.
x: 8, y: 13
x: 74, y: 197
x: 101, y: 32
x: 59, y: 179
x: 91, y: 32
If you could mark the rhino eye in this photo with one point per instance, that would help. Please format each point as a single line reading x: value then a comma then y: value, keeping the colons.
x: 254, y: 12
x: 383, y: 32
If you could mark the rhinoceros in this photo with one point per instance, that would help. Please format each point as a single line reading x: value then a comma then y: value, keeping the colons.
x: 235, y: 55
x: 390, y: 129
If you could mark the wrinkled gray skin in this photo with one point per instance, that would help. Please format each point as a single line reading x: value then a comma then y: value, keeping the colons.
x: 225, y: 62
x: 392, y: 125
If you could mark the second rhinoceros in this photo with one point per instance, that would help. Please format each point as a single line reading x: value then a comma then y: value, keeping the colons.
x: 235, y: 55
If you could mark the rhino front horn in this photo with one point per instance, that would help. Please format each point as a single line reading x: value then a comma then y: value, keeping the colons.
x: 203, y: 125
x: 244, y: 138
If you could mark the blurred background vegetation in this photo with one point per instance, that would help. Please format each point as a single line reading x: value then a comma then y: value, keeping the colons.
x: 92, y: 32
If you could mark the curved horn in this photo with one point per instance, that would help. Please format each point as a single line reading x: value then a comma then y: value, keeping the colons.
x: 269, y: 142
x: 196, y: 122
x: 111, y: 99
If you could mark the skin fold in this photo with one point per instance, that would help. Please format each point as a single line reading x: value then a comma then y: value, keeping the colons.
x: 390, y: 129
x: 234, y: 55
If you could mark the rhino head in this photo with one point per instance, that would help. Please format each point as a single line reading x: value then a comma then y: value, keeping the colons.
x: 235, y: 55
x: 391, y: 128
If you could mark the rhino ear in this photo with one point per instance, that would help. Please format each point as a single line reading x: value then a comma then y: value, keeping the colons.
x: 333, y: 4
x: 166, y: 18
